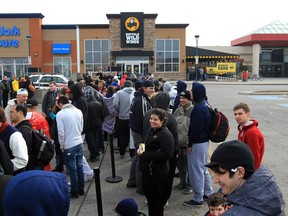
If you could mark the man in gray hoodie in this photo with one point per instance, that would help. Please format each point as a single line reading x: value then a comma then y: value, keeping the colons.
x: 122, y: 104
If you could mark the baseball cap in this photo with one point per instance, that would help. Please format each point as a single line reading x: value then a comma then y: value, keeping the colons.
x: 22, y: 91
x: 148, y: 83
x: 231, y: 154
x: 31, y: 102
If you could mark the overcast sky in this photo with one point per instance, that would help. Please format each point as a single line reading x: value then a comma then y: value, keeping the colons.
x: 216, y: 22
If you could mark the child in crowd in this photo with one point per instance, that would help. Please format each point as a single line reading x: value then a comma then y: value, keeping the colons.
x: 217, y: 204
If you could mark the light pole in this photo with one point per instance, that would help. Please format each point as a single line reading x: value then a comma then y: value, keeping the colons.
x: 196, y: 57
x: 28, y: 37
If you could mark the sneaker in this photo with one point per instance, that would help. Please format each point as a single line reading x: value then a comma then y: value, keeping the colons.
x: 188, y: 191
x: 205, y: 197
x: 193, y: 203
x: 166, y: 204
x: 88, y: 177
x: 179, y: 187
x: 81, y: 192
x: 74, y: 195
x: 130, y: 185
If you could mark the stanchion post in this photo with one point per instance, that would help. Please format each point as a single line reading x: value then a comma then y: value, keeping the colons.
x: 113, y: 178
x: 98, y: 191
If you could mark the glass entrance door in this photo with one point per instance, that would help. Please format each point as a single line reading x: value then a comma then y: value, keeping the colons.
x: 137, y: 67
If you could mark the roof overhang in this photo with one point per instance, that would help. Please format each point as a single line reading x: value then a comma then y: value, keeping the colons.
x: 132, y: 53
x: 280, y: 40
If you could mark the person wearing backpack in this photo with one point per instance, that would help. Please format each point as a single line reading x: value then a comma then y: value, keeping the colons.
x: 198, y: 147
x: 14, y: 143
x: 18, y: 118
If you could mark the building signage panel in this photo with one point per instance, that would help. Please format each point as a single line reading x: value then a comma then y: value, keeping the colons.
x: 132, y: 30
x: 8, y: 32
x: 61, y: 49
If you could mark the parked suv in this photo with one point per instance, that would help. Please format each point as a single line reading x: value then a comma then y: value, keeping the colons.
x: 42, y: 81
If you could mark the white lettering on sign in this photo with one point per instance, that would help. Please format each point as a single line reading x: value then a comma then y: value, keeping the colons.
x: 132, y: 38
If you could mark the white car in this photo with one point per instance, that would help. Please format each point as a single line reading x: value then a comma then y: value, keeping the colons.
x: 42, y: 81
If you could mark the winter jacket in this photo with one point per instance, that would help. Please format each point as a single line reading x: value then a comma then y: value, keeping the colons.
x: 252, y: 136
x: 200, y: 118
x: 259, y: 195
x: 95, y: 113
x: 182, y: 116
x: 15, y: 145
x: 109, y: 121
x: 162, y: 101
x: 140, y: 105
x: 49, y: 101
x: 80, y: 102
x: 158, y: 150
x: 122, y: 103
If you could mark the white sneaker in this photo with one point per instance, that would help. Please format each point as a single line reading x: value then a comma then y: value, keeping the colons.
x: 88, y: 177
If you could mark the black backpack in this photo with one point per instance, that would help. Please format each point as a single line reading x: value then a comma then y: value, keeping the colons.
x: 42, y: 149
x: 219, y: 127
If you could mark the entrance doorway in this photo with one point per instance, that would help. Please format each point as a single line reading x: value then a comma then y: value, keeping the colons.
x: 140, y: 67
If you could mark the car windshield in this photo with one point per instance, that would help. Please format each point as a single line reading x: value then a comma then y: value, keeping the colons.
x: 34, y: 78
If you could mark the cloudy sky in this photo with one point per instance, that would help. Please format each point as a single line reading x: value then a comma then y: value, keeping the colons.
x: 217, y: 22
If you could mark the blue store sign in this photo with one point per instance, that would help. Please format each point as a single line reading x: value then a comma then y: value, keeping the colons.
x: 61, y: 49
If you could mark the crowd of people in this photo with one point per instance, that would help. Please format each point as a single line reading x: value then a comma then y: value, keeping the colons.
x: 165, y: 129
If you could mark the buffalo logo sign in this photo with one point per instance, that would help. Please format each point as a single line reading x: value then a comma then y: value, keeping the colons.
x: 132, y: 24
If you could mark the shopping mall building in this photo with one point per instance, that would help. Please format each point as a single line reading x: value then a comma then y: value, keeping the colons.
x: 131, y: 42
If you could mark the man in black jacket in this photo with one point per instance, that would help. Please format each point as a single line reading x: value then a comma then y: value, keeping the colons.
x: 48, y: 101
x: 18, y: 118
x: 140, y: 105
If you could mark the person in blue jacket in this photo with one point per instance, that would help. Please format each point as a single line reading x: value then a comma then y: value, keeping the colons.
x: 198, y: 147
x: 37, y: 193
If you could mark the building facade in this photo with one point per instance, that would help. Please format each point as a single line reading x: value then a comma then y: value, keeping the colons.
x: 131, y: 42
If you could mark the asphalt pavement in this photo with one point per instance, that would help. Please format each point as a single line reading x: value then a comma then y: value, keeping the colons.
x: 270, y: 112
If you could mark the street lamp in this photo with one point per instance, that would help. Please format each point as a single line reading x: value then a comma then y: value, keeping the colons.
x: 28, y: 37
x: 196, y: 57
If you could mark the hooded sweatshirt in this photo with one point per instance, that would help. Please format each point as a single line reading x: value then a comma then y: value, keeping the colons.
x: 259, y: 195
x: 122, y: 103
x: 200, y: 118
x: 167, y: 87
x: 252, y: 136
x: 181, y: 86
x: 37, y: 193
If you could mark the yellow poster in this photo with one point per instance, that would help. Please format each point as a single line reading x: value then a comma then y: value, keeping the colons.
x: 222, y: 68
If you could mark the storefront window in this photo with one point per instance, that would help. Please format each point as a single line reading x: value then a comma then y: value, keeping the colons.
x: 62, y: 66
x: 11, y: 66
x: 97, y: 57
x: 167, y: 55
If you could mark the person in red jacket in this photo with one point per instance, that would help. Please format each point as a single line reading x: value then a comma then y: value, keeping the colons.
x: 249, y: 132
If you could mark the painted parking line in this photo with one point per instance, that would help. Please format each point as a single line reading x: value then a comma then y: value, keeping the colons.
x: 285, y: 105
x: 268, y: 97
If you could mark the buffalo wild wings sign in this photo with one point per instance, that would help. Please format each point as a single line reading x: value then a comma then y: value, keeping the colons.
x: 132, y: 27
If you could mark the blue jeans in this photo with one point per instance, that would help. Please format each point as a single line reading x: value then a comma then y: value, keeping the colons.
x: 73, y: 160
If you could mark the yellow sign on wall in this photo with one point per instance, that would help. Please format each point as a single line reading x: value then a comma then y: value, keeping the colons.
x: 222, y: 68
